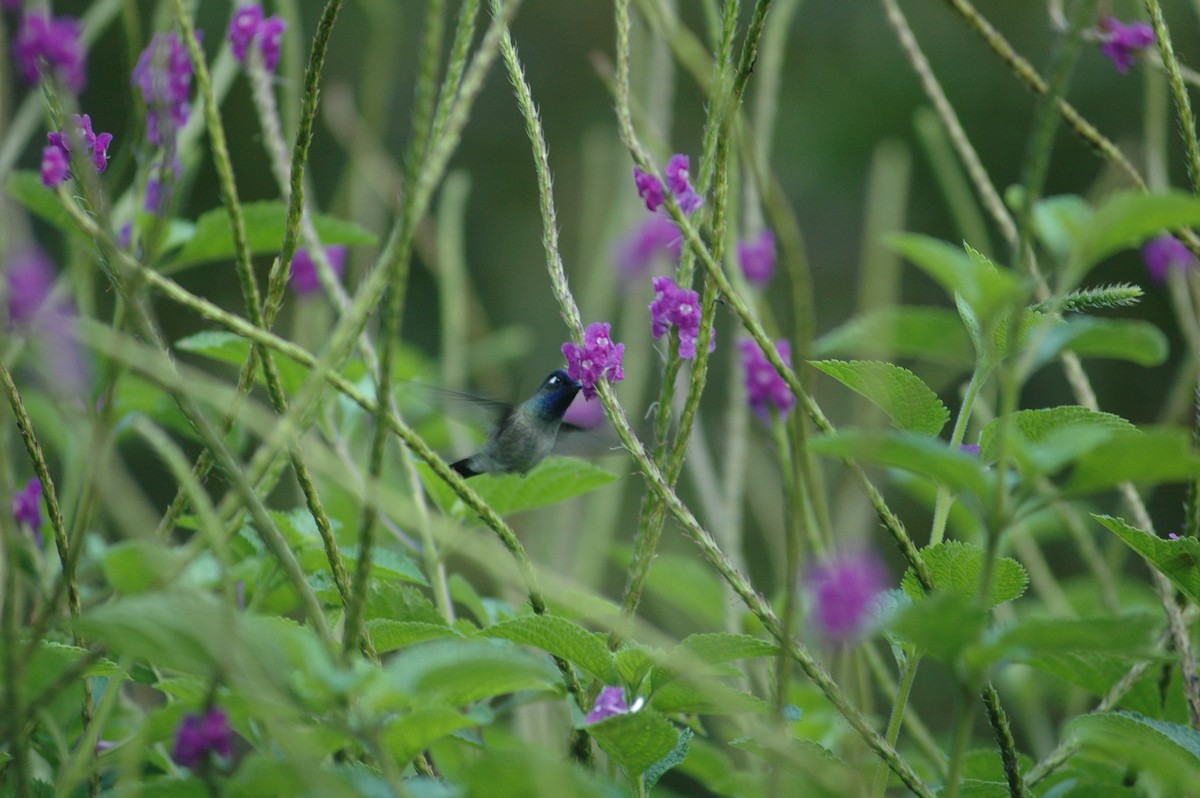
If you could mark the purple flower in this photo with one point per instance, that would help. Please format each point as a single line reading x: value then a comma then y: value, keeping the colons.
x: 1172, y: 536
x: 27, y: 508
x: 55, y: 42
x: 49, y: 323
x: 164, y: 75
x: 655, y: 237
x: 843, y: 591
x: 970, y: 448
x: 200, y: 735
x: 597, y: 357
x: 249, y: 26
x: 764, y: 386
x: 1122, y: 42
x: 679, y: 181
x: 609, y: 703
x: 584, y: 414
x: 757, y: 258
x: 678, y: 307
x: 30, y: 281
x: 1164, y: 254
x: 650, y: 188
x: 57, y: 167
x: 304, y: 279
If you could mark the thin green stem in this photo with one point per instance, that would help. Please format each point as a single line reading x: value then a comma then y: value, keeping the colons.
x: 1179, y: 91
x: 945, y: 497
x: 904, y: 690
x: 958, y: 750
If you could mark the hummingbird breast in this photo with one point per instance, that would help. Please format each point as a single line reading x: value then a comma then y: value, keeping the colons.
x: 522, y: 442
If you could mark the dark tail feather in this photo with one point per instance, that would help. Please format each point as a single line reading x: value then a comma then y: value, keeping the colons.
x: 464, y: 469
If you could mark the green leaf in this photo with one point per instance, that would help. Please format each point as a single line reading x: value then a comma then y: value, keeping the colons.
x: 676, y: 757
x: 957, y: 568
x: 717, y: 647
x: 636, y: 740
x: 1166, y: 753
x: 929, y: 333
x: 512, y: 772
x: 554, y: 480
x: 1046, y: 439
x: 265, y: 223
x: 1128, y: 218
x: 1147, y: 457
x: 635, y: 661
x: 1097, y: 672
x: 919, y: 454
x: 226, y: 347
x: 388, y: 565
x: 562, y: 638
x: 911, y: 405
x: 1137, y: 341
x: 1060, y: 221
x: 983, y: 286
x: 941, y: 624
x: 389, y: 635
x: 138, y: 566
x: 695, y: 693
x: 27, y: 188
x: 456, y: 672
x: 1178, y: 560
x: 1031, y: 637
x: 411, y: 733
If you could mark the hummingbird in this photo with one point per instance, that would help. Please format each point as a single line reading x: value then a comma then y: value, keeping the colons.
x: 526, y: 433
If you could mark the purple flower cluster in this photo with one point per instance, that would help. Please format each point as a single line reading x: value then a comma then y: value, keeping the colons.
x: 680, y: 308
x: 653, y: 238
x: 48, y: 322
x: 764, y: 387
x: 1122, y: 42
x: 164, y: 75
x: 56, y: 158
x: 651, y: 189
x: 609, y: 703
x: 27, y: 508
x: 843, y: 591
x: 304, y: 279
x: 757, y: 258
x: 1165, y: 254
x: 201, y: 735
x: 249, y: 27
x: 55, y: 43
x: 597, y: 357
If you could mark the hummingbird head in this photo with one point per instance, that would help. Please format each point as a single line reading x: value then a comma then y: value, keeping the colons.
x: 555, y: 396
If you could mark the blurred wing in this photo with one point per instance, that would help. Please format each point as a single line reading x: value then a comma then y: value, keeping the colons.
x: 472, y: 407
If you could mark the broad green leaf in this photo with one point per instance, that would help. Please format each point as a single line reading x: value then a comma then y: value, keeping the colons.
x: 265, y: 223
x: 1137, y: 341
x: 636, y: 740
x: 227, y: 347
x: 682, y: 582
x: 137, y: 566
x: 911, y: 405
x: 50, y: 660
x: 942, y: 625
x: 1097, y: 672
x: 1031, y: 637
x: 1128, y: 218
x: 136, y: 395
x: 412, y: 732
x: 676, y: 757
x: 701, y: 695
x: 554, y: 480
x: 957, y: 568
x: 388, y: 564
x: 456, y: 672
x: 1060, y: 221
x: 919, y: 454
x: 930, y: 333
x: 1046, y: 439
x: 716, y: 647
x: 1166, y: 753
x: 1178, y: 560
x: 635, y: 661
x: 562, y: 638
x: 27, y: 188
x: 528, y: 772
x: 1148, y: 457
x: 389, y: 635
x: 982, y: 285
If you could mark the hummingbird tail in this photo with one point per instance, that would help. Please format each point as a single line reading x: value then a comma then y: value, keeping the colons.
x: 464, y: 469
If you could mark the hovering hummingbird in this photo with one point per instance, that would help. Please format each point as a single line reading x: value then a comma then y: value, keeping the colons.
x: 526, y: 433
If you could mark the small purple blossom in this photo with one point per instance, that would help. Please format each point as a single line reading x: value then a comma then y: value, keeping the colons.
x: 757, y: 258
x: 304, y: 279
x: 1172, y: 536
x: 49, y: 323
x: 56, y: 168
x: 650, y: 188
x: 764, y: 387
x: 679, y: 181
x: 1122, y: 42
x: 609, y: 703
x: 843, y: 592
x: 597, y: 357
x: 584, y: 414
x: 54, y: 42
x: 680, y: 308
x: 27, y: 508
x: 970, y: 448
x: 248, y: 26
x: 654, y: 238
x: 30, y: 279
x: 164, y: 76
x: 201, y: 735
x: 1164, y: 254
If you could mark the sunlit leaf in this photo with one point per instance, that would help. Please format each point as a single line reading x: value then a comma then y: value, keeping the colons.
x: 562, y: 638
x: 1178, y: 560
x: 957, y: 568
x: 911, y: 405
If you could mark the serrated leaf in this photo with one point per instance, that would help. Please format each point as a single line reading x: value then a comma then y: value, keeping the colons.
x: 676, y: 757
x: 1097, y: 672
x: 1051, y: 437
x: 226, y: 347
x: 412, y: 732
x: 389, y: 565
x: 456, y: 672
x: 930, y: 333
x: 1178, y: 560
x: 1128, y: 218
x: 1031, y: 637
x: 911, y: 405
x: 554, y: 480
x: 389, y: 635
x: 265, y: 222
x: 513, y: 772
x: 941, y: 624
x: 700, y: 695
x: 1147, y: 457
x: 1166, y: 753
x: 562, y: 638
x: 1133, y: 340
x: 956, y: 567
x: 636, y: 740
x: 716, y: 647
x: 983, y: 286
x: 919, y: 454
